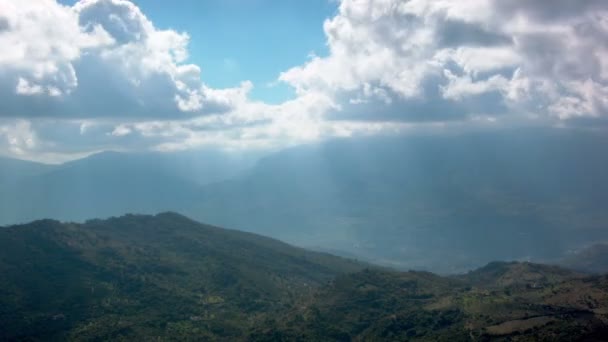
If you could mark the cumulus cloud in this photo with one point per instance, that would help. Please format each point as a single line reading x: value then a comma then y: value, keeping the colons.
x: 440, y: 60
x: 99, y: 58
x: 100, y: 75
x: 18, y: 137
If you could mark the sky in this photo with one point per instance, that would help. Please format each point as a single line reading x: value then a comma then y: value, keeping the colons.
x: 231, y: 39
x: 79, y: 77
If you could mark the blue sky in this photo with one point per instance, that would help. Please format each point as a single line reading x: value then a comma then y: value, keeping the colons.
x: 236, y: 40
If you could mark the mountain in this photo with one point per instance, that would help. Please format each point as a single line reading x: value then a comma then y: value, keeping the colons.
x: 443, y: 202
x: 593, y: 259
x: 166, y: 277
x: 376, y: 305
x: 12, y: 170
x: 138, y: 277
x: 499, y: 274
x: 447, y: 202
x: 112, y: 183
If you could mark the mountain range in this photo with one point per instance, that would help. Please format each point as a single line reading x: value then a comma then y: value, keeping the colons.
x: 470, y: 198
x: 167, y: 277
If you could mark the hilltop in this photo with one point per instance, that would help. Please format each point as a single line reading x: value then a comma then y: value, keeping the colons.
x: 144, y: 276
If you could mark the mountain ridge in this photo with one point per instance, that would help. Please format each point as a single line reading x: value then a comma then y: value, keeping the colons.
x: 120, y: 266
x: 470, y: 197
x: 167, y: 276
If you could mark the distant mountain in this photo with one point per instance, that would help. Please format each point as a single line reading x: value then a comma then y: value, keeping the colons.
x: 111, y: 183
x: 512, y: 274
x: 13, y: 170
x: 445, y: 202
x: 593, y: 259
x: 138, y: 277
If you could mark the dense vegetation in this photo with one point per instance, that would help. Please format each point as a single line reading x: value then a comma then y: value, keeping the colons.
x: 146, y: 276
x: 166, y: 277
x: 502, y: 301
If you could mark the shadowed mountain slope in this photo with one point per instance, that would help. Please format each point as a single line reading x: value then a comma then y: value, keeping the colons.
x: 469, y: 198
x: 140, y: 276
x: 167, y: 277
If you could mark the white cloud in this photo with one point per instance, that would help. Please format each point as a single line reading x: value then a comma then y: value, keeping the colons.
x: 461, y: 87
x: 100, y: 75
x: 18, y: 137
x: 120, y: 131
x: 516, y: 49
x: 39, y: 43
x: 25, y: 88
x: 98, y: 58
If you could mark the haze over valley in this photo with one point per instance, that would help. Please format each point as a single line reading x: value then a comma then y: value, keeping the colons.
x: 417, y: 202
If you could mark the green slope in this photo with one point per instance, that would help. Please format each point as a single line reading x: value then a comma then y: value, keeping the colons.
x: 147, y: 276
x: 480, y: 306
x: 166, y: 277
